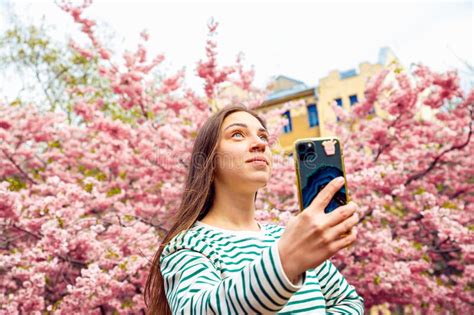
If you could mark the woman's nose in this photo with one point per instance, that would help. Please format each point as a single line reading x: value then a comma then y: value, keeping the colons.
x: 258, y: 144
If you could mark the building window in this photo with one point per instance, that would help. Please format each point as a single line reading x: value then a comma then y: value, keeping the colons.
x: 353, y: 99
x: 287, y: 128
x: 339, y: 102
x: 313, y: 115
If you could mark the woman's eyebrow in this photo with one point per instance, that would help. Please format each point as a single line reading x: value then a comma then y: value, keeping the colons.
x: 245, y: 126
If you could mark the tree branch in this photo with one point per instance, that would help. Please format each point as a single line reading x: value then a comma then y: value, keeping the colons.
x: 444, y: 251
x: 386, y: 145
x: 18, y: 167
x: 64, y: 258
x: 436, y: 160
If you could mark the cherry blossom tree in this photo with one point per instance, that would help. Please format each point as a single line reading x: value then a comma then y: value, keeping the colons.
x: 86, y: 192
x: 410, y: 168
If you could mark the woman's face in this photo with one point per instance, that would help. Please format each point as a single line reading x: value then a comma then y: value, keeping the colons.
x: 244, y: 158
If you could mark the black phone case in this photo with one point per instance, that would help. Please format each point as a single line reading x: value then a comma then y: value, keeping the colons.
x: 317, y: 162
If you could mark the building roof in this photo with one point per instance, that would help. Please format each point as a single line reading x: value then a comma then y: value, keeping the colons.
x: 278, y: 77
x: 300, y: 88
x: 283, y: 93
x: 347, y: 74
x: 288, y: 95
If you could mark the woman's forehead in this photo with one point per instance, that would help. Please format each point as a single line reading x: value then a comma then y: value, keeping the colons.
x: 242, y: 118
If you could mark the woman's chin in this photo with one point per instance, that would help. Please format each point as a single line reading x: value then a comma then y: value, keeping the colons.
x: 257, y: 181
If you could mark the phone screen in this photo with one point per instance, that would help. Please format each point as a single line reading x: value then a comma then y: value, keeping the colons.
x: 319, y: 162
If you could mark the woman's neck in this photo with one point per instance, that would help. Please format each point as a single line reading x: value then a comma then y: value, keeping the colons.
x: 232, y: 210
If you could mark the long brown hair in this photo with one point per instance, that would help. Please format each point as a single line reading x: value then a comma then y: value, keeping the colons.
x: 196, y: 200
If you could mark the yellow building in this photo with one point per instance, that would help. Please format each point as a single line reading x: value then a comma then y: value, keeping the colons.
x: 311, y: 118
x: 303, y: 120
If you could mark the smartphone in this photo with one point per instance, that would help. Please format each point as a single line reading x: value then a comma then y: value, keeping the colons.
x: 317, y: 162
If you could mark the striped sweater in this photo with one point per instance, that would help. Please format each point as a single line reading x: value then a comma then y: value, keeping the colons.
x: 208, y: 270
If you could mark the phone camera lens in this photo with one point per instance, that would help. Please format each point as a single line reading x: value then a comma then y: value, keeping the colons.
x: 301, y: 147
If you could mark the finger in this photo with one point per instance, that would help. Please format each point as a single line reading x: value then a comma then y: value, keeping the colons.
x: 342, y: 213
x: 324, y: 197
x: 345, y: 241
x: 344, y: 228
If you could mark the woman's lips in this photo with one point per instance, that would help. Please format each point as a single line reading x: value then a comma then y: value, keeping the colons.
x: 258, y: 161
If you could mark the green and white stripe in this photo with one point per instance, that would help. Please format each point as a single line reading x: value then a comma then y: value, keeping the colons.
x: 207, y: 270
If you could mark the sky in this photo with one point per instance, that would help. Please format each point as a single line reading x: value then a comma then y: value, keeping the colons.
x: 304, y: 40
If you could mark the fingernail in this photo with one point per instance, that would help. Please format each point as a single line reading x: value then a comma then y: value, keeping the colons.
x: 339, y: 180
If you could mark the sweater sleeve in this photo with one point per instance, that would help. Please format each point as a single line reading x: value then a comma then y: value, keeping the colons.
x: 194, y: 286
x: 341, y: 297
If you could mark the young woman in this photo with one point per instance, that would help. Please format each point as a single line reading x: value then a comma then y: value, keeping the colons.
x: 217, y: 259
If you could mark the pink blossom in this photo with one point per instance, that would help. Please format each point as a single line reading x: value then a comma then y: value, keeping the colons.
x: 104, y: 54
x: 4, y: 125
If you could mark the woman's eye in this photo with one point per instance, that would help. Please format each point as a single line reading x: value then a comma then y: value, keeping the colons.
x: 264, y: 137
x: 237, y: 133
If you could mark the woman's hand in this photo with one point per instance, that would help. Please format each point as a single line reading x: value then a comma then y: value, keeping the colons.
x: 313, y: 236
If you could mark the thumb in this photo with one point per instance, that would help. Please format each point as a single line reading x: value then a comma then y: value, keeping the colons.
x: 324, y: 196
